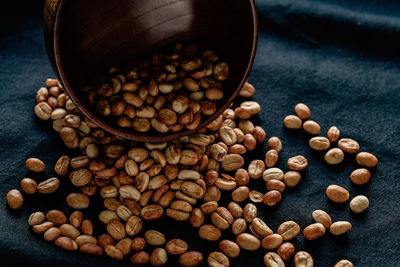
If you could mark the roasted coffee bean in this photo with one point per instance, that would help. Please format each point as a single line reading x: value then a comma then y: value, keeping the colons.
x: 322, y: 217
x: 14, y: 199
x: 272, y: 259
x: 359, y: 203
x: 303, y: 259
x: 340, y: 227
x: 314, y: 231
x: 337, y: 193
x: 289, y: 230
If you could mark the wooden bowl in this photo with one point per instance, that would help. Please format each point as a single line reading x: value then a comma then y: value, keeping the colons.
x: 86, y: 36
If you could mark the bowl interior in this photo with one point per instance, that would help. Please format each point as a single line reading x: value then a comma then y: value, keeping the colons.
x: 91, y: 36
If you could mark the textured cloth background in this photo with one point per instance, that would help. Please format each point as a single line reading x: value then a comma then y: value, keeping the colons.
x: 339, y: 57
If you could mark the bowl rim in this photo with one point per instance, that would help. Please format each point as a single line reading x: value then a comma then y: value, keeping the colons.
x: 144, y: 137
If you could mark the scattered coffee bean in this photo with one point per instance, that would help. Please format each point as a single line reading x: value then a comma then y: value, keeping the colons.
x: 337, y: 193
x: 359, y: 203
x: 340, y: 227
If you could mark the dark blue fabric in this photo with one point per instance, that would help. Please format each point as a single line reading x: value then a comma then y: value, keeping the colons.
x: 339, y: 57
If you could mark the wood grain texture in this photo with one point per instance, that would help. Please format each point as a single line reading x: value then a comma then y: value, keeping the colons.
x: 90, y: 36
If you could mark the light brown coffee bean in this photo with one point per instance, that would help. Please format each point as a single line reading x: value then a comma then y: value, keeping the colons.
x: 272, y: 174
x: 272, y: 198
x: 227, y: 135
x: 152, y: 212
x: 36, y: 218
x: 260, y: 227
x: 14, y: 199
x: 80, y: 177
x: 85, y: 239
x: 359, y: 203
x: 232, y: 162
x: 43, y: 227
x: 337, y: 193
x: 286, y: 251
x: 42, y: 95
x: 159, y: 257
x: 177, y: 214
x: 209, y: 207
x: 303, y: 259
x: 229, y: 248
x: 344, y: 263
x: 129, y: 191
x: 256, y: 196
x: 297, y: 163
x: 192, y: 189
x: 242, y: 177
x: 78, y: 201
x: 105, y: 240
x: 259, y: 134
x: 249, y: 212
x: 43, y: 111
x: 311, y: 127
x: 245, y: 126
x: 107, y: 215
x: 292, y: 178
x: 256, y: 169
x: 292, y: 122
x: 334, y: 156
x: 154, y: 238
x: 114, y: 253
x: 247, y: 91
x: 235, y: 209
x: 319, y: 143
x: 247, y: 241
x: 239, y: 226
x: 133, y: 225
x: 322, y: 217
x: 91, y: 249
x: 66, y: 243
x: 271, y: 259
x: 69, y: 231
x: 48, y: 186
x: 275, y: 143
x: 35, y: 165
x: 333, y: 134
x: 197, y: 217
x: 302, y: 111
x: 360, y: 176
x: 87, y: 227
x: 176, y: 246
x: 275, y: 185
x: 340, y: 227
x: 62, y: 165
x: 250, y: 142
x: 56, y: 217
x: 52, y: 234
x: 79, y: 162
x: 190, y: 259
x: 289, y: 230
x: 209, y: 232
x: 366, y: 159
x: 138, y: 244
x: 348, y: 145
x: 272, y: 241
x: 140, y: 258
x: 271, y: 158
x: 218, y: 152
x: 314, y: 231
x: 240, y: 194
x: 217, y: 259
x: 116, y: 229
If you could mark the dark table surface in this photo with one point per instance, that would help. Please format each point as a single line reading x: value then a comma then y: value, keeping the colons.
x: 339, y: 57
